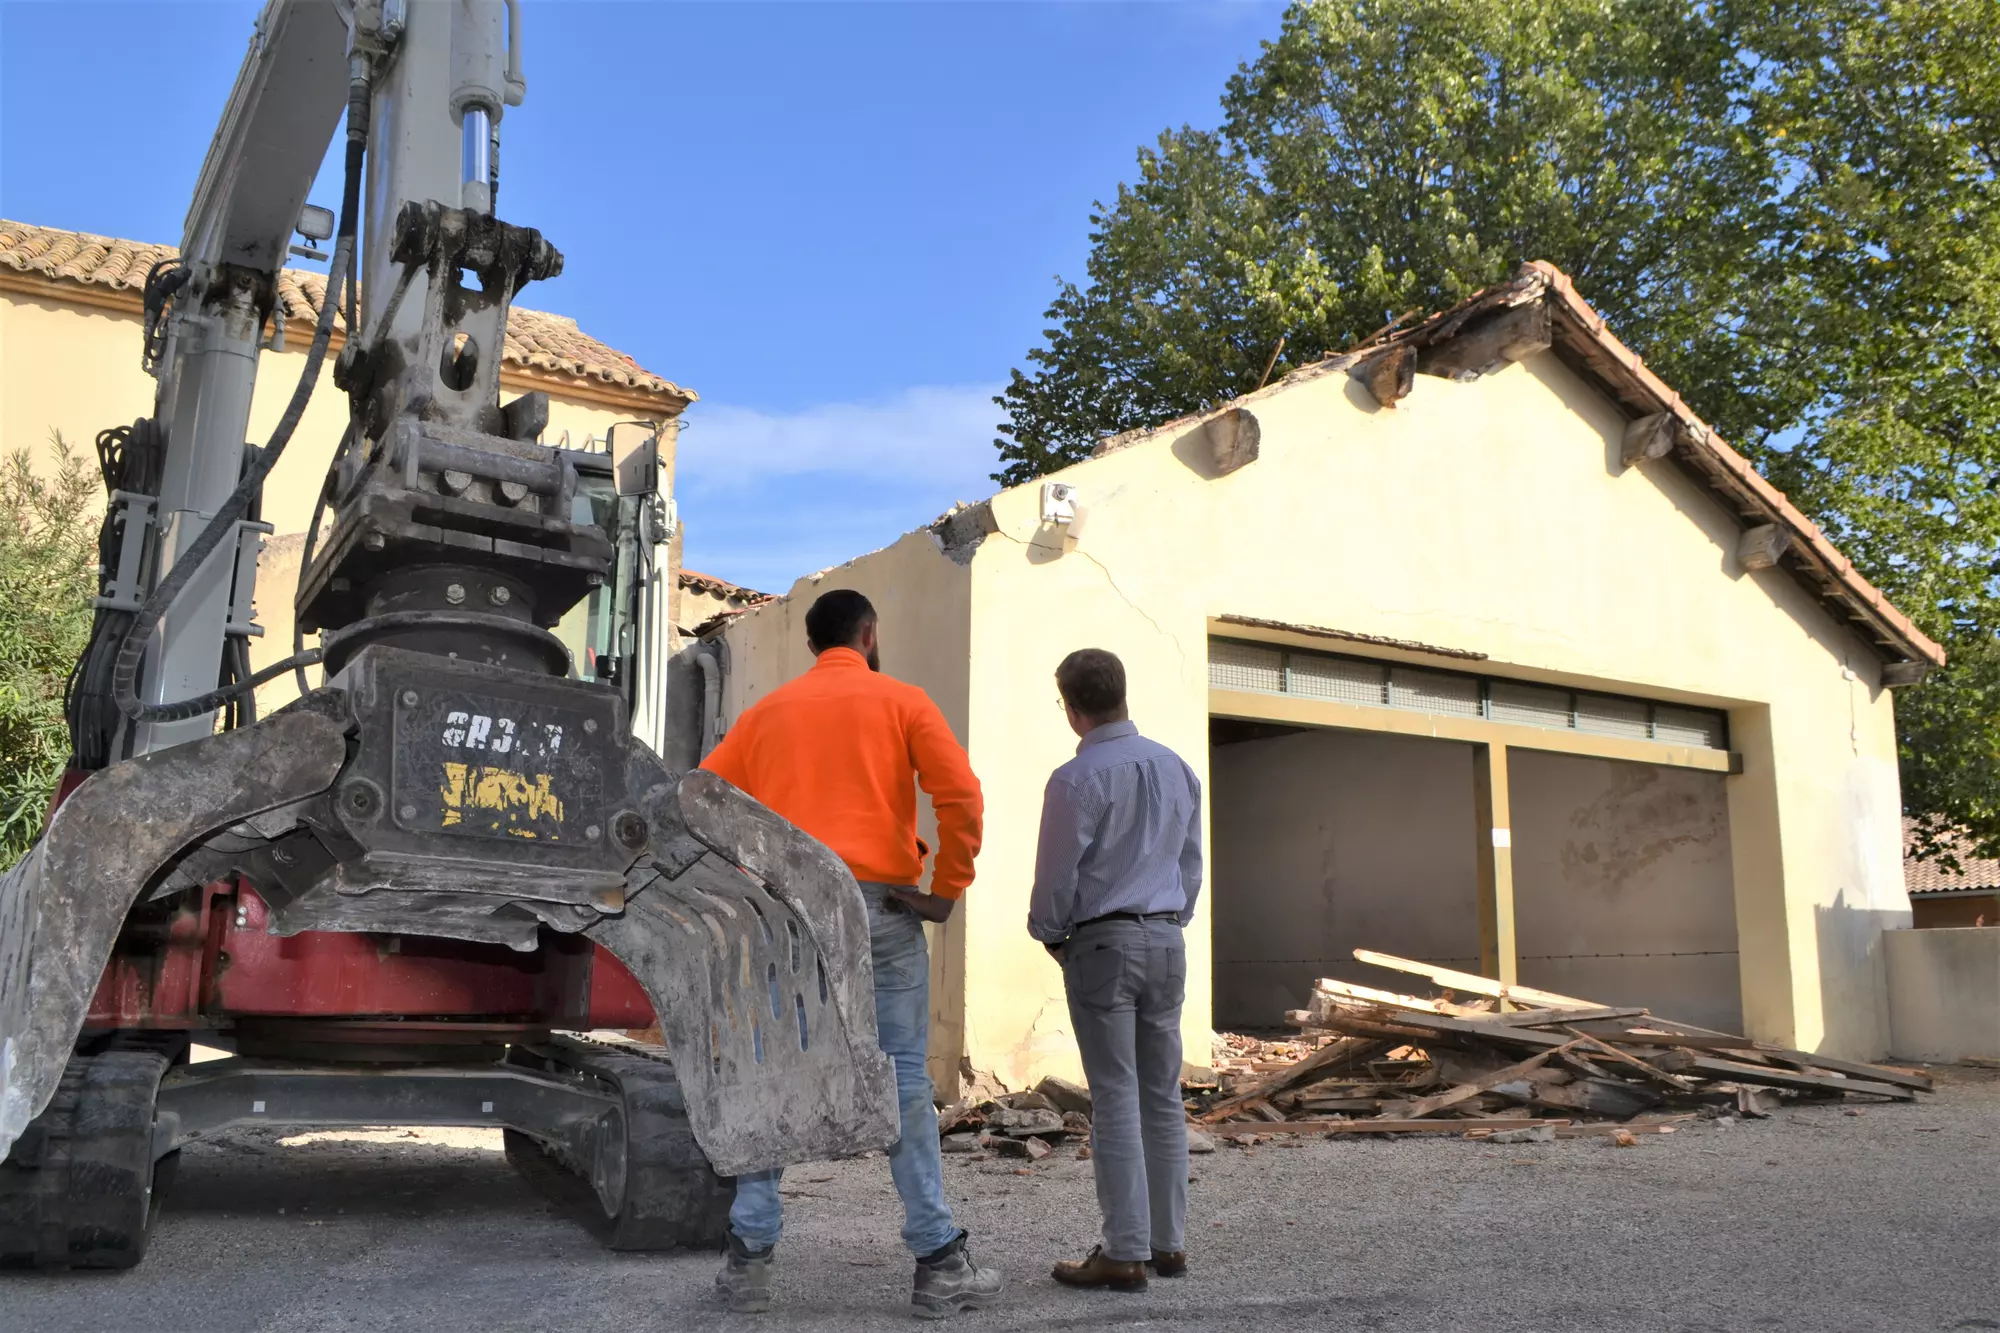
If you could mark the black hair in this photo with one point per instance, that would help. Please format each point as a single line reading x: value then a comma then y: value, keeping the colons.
x: 1092, y: 682
x: 836, y: 619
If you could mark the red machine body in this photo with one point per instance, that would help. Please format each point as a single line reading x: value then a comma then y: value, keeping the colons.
x: 208, y: 964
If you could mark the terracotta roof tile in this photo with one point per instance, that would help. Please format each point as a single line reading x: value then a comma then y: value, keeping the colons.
x: 1922, y: 877
x: 535, y: 338
x: 716, y: 587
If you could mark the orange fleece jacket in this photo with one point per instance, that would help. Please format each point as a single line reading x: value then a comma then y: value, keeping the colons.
x: 840, y: 752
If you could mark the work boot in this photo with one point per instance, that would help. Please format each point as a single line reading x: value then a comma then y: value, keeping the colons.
x: 948, y: 1281
x: 745, y: 1280
x: 1168, y: 1263
x: 1098, y: 1270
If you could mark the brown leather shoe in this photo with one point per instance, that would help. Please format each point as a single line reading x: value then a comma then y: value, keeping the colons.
x: 1095, y: 1270
x: 1169, y: 1265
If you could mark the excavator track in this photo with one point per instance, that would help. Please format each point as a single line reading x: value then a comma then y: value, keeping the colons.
x: 668, y: 1196
x: 80, y: 1188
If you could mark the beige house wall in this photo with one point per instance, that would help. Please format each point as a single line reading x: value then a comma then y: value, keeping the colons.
x: 73, y: 367
x: 1492, y: 517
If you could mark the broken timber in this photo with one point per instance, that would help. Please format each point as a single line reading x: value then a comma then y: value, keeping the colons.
x: 1454, y: 1061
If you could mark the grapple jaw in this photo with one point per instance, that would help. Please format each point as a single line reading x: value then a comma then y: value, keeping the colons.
x: 750, y: 937
x: 63, y: 904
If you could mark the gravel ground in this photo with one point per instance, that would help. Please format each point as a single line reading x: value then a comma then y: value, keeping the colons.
x: 1814, y: 1220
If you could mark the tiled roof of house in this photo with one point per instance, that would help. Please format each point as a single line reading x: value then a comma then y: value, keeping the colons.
x: 1927, y: 877
x: 715, y: 587
x: 536, y: 339
x: 1582, y: 341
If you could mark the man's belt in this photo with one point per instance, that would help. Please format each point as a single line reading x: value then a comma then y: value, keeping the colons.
x: 1130, y: 916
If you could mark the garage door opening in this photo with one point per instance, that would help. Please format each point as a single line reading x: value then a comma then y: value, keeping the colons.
x: 1324, y: 840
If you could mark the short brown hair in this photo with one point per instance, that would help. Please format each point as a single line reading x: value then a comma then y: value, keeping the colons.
x: 1092, y: 681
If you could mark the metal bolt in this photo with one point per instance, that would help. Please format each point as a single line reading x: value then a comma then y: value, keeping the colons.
x: 499, y: 596
x: 409, y: 698
x: 454, y: 482
x: 281, y: 856
x: 593, y: 833
x: 512, y: 492
x: 590, y: 726
x: 407, y: 812
x: 629, y: 829
x: 594, y: 580
x: 454, y: 593
x: 374, y: 541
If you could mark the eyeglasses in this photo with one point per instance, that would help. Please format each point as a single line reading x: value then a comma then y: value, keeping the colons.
x: 1061, y: 706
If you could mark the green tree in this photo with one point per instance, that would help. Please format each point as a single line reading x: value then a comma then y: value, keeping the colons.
x: 1882, y: 328
x: 1383, y: 156
x: 1787, y: 206
x: 48, y: 562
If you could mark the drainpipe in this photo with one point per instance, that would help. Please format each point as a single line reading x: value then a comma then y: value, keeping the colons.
x: 711, y: 696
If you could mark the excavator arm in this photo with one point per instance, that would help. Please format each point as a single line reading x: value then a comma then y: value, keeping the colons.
x: 449, y: 778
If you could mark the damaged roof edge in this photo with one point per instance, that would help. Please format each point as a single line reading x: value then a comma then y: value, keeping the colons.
x: 1583, y: 341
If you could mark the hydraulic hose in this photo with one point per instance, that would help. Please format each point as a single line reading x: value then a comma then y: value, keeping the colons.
x: 132, y: 652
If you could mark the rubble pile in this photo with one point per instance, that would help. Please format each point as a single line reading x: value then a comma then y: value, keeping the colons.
x: 1025, y: 1124
x: 1485, y: 1059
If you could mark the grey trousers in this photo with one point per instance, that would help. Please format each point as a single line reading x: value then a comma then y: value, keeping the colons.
x: 1125, y: 981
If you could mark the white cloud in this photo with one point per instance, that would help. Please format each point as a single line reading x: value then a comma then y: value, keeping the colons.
x: 923, y: 435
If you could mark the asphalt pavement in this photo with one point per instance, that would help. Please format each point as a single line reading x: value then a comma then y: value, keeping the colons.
x: 1813, y: 1220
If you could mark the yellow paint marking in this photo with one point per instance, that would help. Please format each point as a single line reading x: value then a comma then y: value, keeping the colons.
x: 499, y: 792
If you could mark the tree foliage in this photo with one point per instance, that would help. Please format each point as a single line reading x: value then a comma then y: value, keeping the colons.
x: 48, y: 562
x: 1787, y: 206
x: 1389, y: 155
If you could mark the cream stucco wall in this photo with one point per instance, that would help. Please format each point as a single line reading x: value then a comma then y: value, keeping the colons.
x: 74, y: 368
x: 1490, y: 516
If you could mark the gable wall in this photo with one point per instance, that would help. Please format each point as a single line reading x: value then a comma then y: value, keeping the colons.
x: 1492, y: 517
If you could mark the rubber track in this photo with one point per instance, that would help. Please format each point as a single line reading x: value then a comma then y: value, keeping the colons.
x: 79, y: 1189
x: 673, y: 1198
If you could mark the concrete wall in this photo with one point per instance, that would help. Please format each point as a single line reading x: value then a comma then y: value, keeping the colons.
x: 1623, y: 889
x: 74, y: 368
x: 1490, y: 517
x: 1944, y: 993
x: 1328, y: 841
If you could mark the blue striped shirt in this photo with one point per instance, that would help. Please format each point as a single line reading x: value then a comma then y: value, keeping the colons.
x: 1121, y: 832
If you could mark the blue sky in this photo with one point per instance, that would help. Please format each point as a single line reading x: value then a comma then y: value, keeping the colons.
x: 839, y: 223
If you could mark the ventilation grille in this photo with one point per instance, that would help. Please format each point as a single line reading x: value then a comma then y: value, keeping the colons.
x: 1261, y: 669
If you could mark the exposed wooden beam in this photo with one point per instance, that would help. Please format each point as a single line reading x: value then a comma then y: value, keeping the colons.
x: 1649, y: 437
x: 1451, y: 979
x: 1760, y: 547
x: 1387, y: 375
x: 1512, y: 335
x: 1234, y: 439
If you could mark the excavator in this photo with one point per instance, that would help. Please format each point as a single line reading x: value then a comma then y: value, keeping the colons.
x: 432, y: 889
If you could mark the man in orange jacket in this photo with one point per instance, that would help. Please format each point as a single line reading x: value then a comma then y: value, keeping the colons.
x: 840, y: 752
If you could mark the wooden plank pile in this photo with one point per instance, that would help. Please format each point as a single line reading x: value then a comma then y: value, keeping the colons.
x: 1486, y: 1058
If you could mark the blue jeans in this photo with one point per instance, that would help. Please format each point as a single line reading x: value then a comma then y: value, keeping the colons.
x: 902, y: 1026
